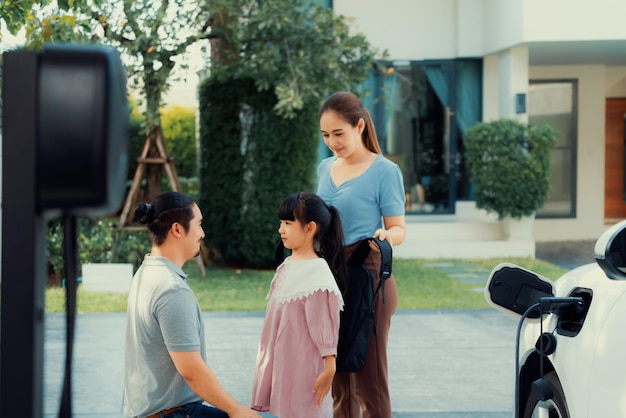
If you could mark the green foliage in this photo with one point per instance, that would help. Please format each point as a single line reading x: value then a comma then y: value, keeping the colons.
x: 150, y: 34
x: 137, y: 133
x: 130, y: 246
x: 300, y: 51
x: 179, y: 132
x: 511, y: 165
x: 14, y: 13
x: 221, y: 166
x: 251, y: 160
x: 97, y: 242
x: 272, y: 65
x: 179, y: 127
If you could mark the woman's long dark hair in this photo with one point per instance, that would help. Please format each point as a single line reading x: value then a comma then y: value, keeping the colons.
x: 309, y: 207
x: 166, y: 209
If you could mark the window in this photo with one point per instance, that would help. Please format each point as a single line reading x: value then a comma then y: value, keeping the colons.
x: 554, y: 102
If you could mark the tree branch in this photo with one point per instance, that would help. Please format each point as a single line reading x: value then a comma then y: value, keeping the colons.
x: 160, y: 15
x: 131, y: 17
x: 290, y: 65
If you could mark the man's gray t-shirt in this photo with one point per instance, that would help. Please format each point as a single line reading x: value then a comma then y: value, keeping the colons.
x: 163, y: 315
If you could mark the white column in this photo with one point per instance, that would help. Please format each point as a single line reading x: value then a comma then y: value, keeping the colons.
x: 490, y: 88
x: 513, y: 81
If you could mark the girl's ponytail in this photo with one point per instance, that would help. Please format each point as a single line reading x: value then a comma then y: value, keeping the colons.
x: 331, y: 247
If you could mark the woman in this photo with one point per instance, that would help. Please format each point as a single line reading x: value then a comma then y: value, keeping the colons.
x: 368, y: 191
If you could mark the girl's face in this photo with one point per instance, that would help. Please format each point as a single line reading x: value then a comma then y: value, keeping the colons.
x: 342, y: 138
x: 294, y: 235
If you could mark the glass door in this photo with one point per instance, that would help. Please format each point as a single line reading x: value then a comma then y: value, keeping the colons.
x: 420, y: 134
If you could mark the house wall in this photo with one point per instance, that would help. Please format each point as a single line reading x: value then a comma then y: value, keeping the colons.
x: 616, y: 82
x: 418, y: 29
x: 499, y: 31
x: 567, y: 20
x: 503, y: 25
x: 443, y: 29
x: 510, y: 23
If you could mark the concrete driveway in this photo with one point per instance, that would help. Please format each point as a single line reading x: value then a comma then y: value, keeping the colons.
x: 443, y: 364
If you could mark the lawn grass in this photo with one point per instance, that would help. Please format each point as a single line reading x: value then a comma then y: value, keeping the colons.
x: 422, y: 284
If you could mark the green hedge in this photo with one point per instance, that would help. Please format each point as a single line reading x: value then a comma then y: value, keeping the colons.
x: 251, y: 159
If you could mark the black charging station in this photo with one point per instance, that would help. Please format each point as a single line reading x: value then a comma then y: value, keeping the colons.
x: 64, y: 153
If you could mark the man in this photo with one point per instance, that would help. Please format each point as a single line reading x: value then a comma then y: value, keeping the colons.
x: 166, y: 373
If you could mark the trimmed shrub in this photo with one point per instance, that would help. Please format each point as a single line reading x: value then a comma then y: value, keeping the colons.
x: 251, y: 159
x: 511, y: 165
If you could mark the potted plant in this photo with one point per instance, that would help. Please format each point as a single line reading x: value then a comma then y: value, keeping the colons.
x: 510, y: 164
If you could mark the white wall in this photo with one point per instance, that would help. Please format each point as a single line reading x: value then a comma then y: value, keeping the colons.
x: 408, y: 30
x: 443, y: 29
x: 589, y: 221
x: 470, y: 23
x: 616, y: 82
x: 491, y: 83
x: 502, y: 25
x: 513, y: 22
x: 579, y: 20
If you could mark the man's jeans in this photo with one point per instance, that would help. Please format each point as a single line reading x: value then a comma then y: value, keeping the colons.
x: 197, y: 410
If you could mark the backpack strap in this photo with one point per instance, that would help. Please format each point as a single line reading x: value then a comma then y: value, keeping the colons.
x: 386, y: 254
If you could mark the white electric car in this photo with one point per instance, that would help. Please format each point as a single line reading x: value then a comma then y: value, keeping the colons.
x: 571, y: 338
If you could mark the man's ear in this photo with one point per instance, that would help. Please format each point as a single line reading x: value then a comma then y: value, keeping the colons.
x: 176, y: 229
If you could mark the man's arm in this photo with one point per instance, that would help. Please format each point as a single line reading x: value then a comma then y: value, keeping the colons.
x: 204, y: 383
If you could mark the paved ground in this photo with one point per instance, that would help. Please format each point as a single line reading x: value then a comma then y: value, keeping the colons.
x: 451, y: 364
x: 443, y: 364
x: 566, y: 254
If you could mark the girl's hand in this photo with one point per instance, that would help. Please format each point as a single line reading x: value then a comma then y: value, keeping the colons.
x: 322, y: 385
x: 325, y: 380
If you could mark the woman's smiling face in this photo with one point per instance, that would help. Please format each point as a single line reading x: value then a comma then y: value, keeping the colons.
x: 340, y: 137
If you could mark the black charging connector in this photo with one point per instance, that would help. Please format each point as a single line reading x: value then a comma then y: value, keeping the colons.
x: 556, y: 305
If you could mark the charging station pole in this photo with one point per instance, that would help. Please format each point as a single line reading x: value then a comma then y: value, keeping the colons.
x: 23, y: 244
x: 64, y: 151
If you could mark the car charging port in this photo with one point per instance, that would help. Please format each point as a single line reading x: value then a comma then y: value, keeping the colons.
x: 572, y: 318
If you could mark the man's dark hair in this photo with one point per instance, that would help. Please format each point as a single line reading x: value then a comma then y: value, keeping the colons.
x: 166, y: 209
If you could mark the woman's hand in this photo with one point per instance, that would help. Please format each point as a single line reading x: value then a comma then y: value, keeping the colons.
x: 393, y: 230
x: 382, y: 234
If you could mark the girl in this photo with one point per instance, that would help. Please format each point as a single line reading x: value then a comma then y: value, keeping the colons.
x: 368, y: 191
x: 296, y: 356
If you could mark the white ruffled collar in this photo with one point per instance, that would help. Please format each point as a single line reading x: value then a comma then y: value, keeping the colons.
x: 296, y: 279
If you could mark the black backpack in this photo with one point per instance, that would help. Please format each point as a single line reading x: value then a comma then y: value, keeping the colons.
x: 357, y: 318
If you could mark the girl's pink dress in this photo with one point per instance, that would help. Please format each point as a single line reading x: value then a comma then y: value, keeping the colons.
x: 301, y: 327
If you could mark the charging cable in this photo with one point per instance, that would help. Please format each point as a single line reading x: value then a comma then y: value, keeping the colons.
x: 545, y: 305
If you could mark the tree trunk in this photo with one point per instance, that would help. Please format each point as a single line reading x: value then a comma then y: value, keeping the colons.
x: 154, y: 172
